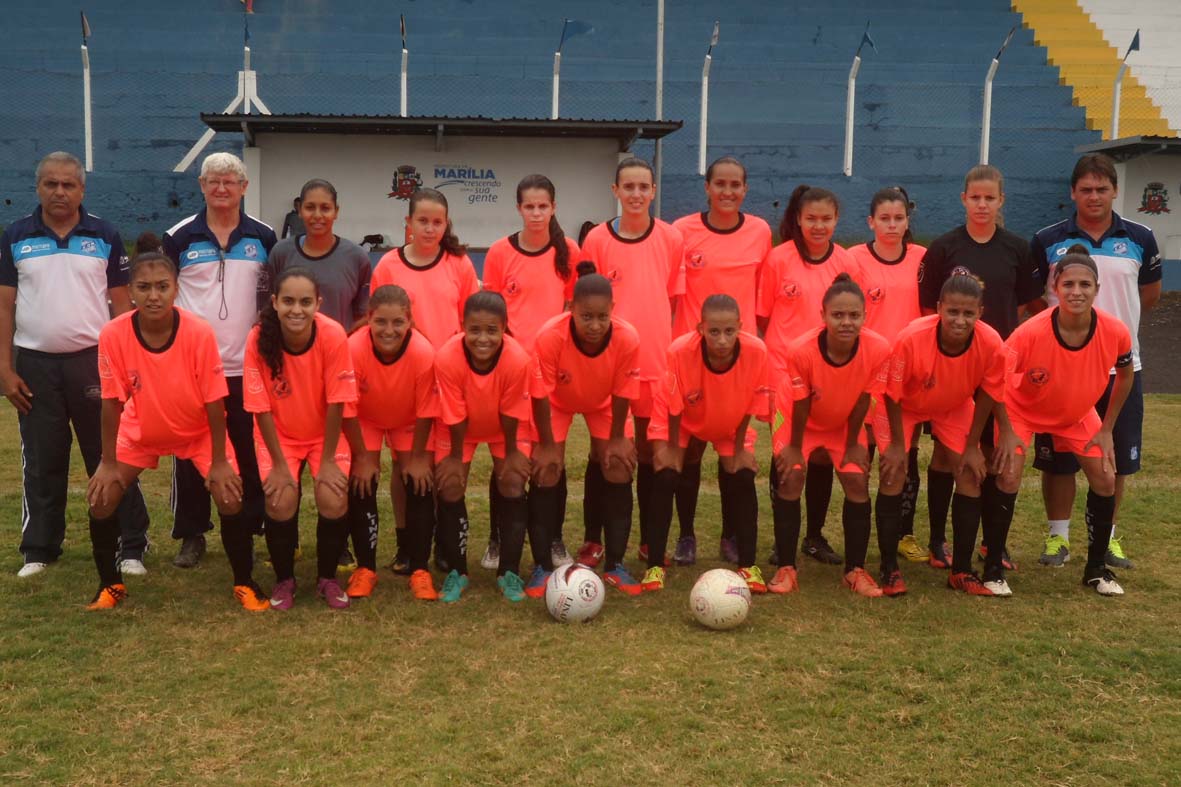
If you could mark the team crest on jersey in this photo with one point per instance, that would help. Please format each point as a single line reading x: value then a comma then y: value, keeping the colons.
x: 1039, y: 375
x: 250, y: 250
x: 615, y: 275
x: 512, y: 286
x: 362, y: 384
x: 694, y: 397
x: 89, y: 246
x: 634, y: 373
x: 564, y: 377
x: 406, y: 182
x: 696, y: 261
x: 791, y: 289
x: 133, y: 382
x: 929, y: 383
x: 960, y: 270
x: 1119, y: 247
x: 282, y: 388
x: 1155, y: 199
x: 875, y: 295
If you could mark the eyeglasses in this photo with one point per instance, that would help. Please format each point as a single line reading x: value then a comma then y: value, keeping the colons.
x: 224, y: 183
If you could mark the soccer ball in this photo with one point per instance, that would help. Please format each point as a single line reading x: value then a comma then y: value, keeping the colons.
x: 720, y: 599
x: 574, y: 594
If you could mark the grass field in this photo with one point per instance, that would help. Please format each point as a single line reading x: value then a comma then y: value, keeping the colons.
x: 180, y: 686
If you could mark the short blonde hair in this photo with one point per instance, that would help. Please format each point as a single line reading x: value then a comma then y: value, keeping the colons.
x: 223, y: 164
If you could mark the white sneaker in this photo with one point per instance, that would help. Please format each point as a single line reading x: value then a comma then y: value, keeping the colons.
x: 999, y: 587
x: 1104, y: 584
x: 29, y: 569
x: 132, y: 567
x: 559, y: 555
x: 491, y: 558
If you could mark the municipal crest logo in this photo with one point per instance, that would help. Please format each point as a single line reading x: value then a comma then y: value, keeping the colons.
x: 1155, y: 199
x: 406, y: 182
x: 696, y: 261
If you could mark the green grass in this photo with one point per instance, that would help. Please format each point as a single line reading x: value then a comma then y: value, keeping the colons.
x: 180, y: 686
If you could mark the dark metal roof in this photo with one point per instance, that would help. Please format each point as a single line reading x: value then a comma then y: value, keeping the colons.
x: 1127, y: 148
x: 625, y: 131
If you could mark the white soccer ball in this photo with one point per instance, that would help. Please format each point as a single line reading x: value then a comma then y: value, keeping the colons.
x: 720, y: 599
x: 574, y: 594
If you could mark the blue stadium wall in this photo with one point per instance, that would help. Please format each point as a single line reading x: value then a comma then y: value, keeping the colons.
x: 777, y: 91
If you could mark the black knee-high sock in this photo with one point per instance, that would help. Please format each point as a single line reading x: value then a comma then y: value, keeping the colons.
x: 1100, y: 512
x: 996, y: 517
x: 330, y: 540
x: 744, y: 513
x: 619, y: 521
x: 910, y: 493
x: 514, y: 519
x: 104, y: 545
x: 965, y: 523
x: 645, y: 475
x: 726, y: 494
x: 888, y: 513
x: 786, y: 515
x: 559, y: 522
x: 855, y: 520
x: 688, y: 486
x: 817, y: 494
x: 363, y: 525
x: 452, y: 533
x: 940, y: 485
x: 237, y: 539
x: 494, y: 501
x: 420, y: 527
x: 660, y: 514
x: 544, y: 505
x: 594, y: 503
x: 281, y: 540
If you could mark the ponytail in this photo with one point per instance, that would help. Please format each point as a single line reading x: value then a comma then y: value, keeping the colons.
x: 557, y: 237
x: 450, y: 242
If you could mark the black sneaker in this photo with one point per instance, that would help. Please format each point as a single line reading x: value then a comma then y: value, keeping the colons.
x: 192, y: 549
x: 820, y: 550
x: 346, y: 558
x: 401, y: 565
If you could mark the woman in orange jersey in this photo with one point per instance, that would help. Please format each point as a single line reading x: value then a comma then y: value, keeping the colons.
x: 948, y: 369
x: 584, y: 362
x: 795, y: 278
x: 433, y: 267
x: 1057, y: 366
x: 300, y: 384
x: 716, y: 381
x: 889, y: 275
x: 724, y: 253
x: 483, y: 377
x: 532, y: 269
x: 162, y: 392
x: 398, y: 402
x: 822, y: 402
x: 642, y: 256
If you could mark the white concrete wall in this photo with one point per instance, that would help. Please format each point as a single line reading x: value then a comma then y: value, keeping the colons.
x: 482, y: 203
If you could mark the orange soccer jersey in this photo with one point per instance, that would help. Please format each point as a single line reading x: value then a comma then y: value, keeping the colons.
x: 437, y: 291
x: 791, y: 294
x: 531, y: 287
x: 927, y: 381
x: 577, y: 382
x: 712, y: 403
x: 891, y: 288
x: 298, y: 399
x: 165, y: 390
x: 645, y: 273
x: 1051, y: 387
x: 394, y: 394
x: 834, y: 390
x: 481, y: 398
x: 720, y: 261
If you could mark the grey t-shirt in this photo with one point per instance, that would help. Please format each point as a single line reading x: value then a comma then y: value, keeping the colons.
x: 343, y: 274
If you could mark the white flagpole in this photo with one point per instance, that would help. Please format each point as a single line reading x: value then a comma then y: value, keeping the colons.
x: 557, y: 73
x: 702, y: 145
x: 1116, y: 89
x: 986, y: 119
x: 850, y: 100
x: 656, y: 162
x: 405, y: 63
x: 86, y: 110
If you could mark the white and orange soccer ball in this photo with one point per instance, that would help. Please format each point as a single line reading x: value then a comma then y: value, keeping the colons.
x: 574, y: 594
x: 720, y: 599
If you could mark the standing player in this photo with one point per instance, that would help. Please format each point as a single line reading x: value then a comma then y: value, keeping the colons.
x: 724, y: 253
x: 948, y: 369
x: 1057, y: 367
x: 341, y: 266
x: 483, y: 377
x: 532, y: 269
x: 795, y: 279
x: 434, y: 269
x: 398, y: 402
x: 716, y: 381
x: 584, y: 362
x: 301, y: 387
x: 642, y: 256
x: 889, y: 275
x: 1013, y: 286
x: 221, y: 253
x: 821, y: 406
x: 163, y: 394
x: 1129, y: 265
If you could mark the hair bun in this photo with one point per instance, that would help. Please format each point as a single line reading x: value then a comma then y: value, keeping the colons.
x: 585, y: 268
x: 147, y: 241
x: 1079, y: 248
x: 842, y: 276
